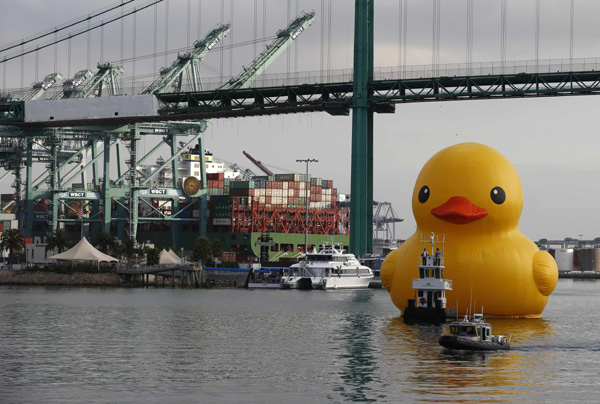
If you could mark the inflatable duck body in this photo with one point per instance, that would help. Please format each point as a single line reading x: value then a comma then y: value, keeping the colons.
x: 473, y: 195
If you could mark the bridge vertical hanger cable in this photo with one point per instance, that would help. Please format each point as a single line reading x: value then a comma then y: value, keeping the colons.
x: 231, y: 38
x: 537, y: 30
x: 199, y: 19
x: 122, y: 42
x: 503, y: 36
x: 296, y: 47
x: 155, y: 44
x: 22, y: 67
x: 469, y: 36
x: 288, y: 50
x: 322, y: 65
x: 404, y: 35
x: 221, y: 42
x: 102, y: 44
x: 37, y: 65
x: 436, y: 37
x: 329, y: 41
x: 572, y: 23
x: 89, y: 45
x: 189, y: 15
x: 68, y: 58
x: 166, y: 32
x: 55, y: 52
x: 264, y: 33
x: 399, y: 33
x: 255, y: 27
x: 134, y: 54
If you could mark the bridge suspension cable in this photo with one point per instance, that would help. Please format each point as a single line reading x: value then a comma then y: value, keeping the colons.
x: 66, y: 25
x: 77, y: 33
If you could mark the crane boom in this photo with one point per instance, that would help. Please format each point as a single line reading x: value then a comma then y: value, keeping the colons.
x: 259, y: 63
x: 258, y: 164
x: 40, y: 88
x: 274, y: 49
x: 172, y: 76
x: 69, y: 87
x: 104, y: 78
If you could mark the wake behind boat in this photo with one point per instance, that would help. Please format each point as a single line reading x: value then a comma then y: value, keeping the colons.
x: 330, y: 268
x: 474, y: 335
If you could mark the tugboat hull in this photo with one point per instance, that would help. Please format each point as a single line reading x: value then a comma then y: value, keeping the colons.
x: 426, y: 315
x: 467, y: 344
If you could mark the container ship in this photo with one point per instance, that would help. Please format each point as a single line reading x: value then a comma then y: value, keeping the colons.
x: 253, y: 216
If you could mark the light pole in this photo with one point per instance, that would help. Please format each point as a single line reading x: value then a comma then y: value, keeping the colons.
x: 306, y: 200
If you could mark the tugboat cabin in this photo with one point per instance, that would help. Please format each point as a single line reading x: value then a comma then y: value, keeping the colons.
x: 430, y: 287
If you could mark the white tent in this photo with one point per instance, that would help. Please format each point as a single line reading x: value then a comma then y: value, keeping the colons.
x: 83, y: 251
x: 166, y: 258
x: 175, y: 256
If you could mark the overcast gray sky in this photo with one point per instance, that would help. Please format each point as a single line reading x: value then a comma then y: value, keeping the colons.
x: 551, y: 142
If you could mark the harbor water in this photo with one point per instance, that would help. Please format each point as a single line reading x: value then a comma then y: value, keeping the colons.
x: 100, y: 345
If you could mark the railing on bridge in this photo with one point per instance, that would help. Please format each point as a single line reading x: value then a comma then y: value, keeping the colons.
x: 380, y: 73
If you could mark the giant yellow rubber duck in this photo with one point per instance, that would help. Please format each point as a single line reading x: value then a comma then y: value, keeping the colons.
x: 473, y: 195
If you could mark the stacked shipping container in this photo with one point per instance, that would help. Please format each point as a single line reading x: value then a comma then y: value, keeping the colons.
x: 286, y: 190
x: 280, y: 196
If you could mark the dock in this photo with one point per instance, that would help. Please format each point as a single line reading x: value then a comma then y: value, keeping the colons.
x: 188, y: 276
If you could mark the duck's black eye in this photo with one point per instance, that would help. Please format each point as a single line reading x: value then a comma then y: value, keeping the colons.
x: 424, y: 194
x: 498, y: 195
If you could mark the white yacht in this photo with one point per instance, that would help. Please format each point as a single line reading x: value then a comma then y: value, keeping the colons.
x: 329, y: 268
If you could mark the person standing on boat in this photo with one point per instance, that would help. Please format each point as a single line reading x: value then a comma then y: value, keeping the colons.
x: 424, y: 255
x: 438, y: 256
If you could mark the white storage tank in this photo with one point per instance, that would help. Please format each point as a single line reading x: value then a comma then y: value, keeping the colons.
x: 564, y: 259
x: 590, y: 259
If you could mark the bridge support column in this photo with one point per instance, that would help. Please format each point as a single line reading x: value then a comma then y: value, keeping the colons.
x: 134, y: 184
x: 361, y: 203
x: 106, y: 188
x: 27, y: 231
x: 203, y: 198
x: 54, y: 185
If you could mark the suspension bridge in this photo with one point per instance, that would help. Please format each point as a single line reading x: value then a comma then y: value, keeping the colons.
x: 53, y: 125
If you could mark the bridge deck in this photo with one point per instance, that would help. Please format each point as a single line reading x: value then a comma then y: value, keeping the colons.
x: 335, y: 98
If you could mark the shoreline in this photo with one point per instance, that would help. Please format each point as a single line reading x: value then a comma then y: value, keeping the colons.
x: 54, y: 279
x: 27, y: 278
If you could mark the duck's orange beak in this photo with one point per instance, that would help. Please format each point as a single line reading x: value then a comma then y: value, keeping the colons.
x: 459, y: 210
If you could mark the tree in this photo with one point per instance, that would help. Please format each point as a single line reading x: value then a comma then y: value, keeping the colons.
x: 12, y: 241
x: 216, y: 249
x: 104, y: 241
x: 129, y: 248
x: 207, y: 250
x: 117, y: 250
x: 152, y: 256
x: 58, y: 240
x: 202, y: 250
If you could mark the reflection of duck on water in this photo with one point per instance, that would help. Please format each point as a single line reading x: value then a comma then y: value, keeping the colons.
x: 415, y: 360
x: 473, y: 194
